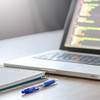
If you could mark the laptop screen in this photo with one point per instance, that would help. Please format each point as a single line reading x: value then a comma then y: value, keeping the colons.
x: 84, y: 25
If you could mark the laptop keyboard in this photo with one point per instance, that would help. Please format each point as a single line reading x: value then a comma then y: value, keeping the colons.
x: 68, y: 57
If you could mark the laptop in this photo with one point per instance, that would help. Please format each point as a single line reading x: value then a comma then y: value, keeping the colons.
x: 79, y: 53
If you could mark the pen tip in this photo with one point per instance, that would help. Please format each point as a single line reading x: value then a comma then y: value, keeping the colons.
x: 23, y: 91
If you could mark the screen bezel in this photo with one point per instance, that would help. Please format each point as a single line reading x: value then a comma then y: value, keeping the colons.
x: 66, y: 29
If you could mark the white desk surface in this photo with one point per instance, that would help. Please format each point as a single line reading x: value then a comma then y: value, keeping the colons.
x: 68, y: 88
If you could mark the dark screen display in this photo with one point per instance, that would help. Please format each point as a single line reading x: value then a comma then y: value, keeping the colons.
x: 84, y: 31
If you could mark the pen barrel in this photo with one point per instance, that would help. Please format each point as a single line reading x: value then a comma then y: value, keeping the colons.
x: 49, y: 83
x: 30, y: 90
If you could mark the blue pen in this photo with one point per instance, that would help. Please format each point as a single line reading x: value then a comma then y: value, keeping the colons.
x: 38, y: 86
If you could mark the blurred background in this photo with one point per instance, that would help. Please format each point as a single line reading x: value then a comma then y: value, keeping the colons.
x: 23, y: 17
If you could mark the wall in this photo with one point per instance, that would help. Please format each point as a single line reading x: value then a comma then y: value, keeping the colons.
x: 22, y: 17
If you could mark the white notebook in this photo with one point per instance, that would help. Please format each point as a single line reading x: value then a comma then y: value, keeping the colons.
x: 12, y: 76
